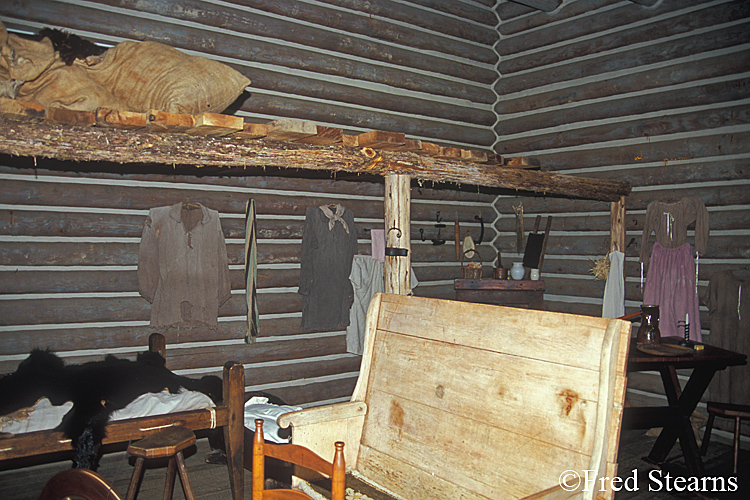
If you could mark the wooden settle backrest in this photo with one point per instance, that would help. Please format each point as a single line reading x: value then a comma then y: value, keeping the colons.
x: 478, y: 401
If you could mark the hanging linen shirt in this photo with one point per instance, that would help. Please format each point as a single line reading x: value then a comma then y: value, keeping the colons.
x: 613, y: 305
x: 377, y: 244
x: 367, y: 278
x: 669, y: 221
x: 182, y: 266
x: 329, y: 242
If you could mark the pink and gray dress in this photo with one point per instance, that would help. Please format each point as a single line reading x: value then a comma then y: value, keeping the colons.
x: 671, y: 281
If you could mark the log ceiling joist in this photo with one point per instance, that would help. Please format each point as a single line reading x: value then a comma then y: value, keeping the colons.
x: 95, y: 144
x: 543, y: 5
x: 552, y: 5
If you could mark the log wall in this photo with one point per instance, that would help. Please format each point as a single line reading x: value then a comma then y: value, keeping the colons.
x: 654, y: 96
x: 69, y: 238
x: 69, y: 255
x: 425, y: 69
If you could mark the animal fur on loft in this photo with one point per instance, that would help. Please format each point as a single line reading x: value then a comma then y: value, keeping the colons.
x: 97, y: 389
x: 70, y: 46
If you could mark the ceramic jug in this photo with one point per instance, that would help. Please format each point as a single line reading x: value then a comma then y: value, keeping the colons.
x: 517, y: 272
x: 649, y: 332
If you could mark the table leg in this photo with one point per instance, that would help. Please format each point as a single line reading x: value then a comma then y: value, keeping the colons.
x: 684, y: 403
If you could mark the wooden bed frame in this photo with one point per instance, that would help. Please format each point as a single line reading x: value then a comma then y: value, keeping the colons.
x: 229, y: 415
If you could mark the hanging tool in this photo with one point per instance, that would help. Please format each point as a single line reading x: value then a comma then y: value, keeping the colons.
x: 439, y: 226
x: 457, y: 238
x: 519, y: 226
x: 481, y: 230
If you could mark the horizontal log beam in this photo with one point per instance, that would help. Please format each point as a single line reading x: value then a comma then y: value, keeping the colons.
x: 82, y: 144
x: 543, y: 5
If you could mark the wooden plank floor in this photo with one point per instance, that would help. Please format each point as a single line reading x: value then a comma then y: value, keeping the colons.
x: 634, y: 445
x: 210, y: 481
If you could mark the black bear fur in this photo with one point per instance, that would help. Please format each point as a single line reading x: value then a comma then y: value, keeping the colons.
x: 97, y: 389
x: 70, y: 46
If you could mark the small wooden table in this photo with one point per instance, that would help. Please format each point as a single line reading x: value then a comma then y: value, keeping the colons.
x: 675, y: 417
x: 522, y: 293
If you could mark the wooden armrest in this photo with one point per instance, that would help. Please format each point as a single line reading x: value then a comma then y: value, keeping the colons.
x: 322, y: 414
x: 319, y: 428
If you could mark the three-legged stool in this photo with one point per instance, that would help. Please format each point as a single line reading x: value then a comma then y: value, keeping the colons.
x: 728, y: 410
x: 168, y: 443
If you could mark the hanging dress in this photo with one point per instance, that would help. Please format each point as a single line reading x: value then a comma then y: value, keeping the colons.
x: 329, y: 243
x: 671, y: 281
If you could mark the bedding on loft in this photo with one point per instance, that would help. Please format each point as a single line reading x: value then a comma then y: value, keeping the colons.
x: 62, y: 70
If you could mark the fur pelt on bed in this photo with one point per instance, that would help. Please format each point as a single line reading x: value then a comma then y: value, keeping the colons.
x: 70, y: 46
x: 97, y: 389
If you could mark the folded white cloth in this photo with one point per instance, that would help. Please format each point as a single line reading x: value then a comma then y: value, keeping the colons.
x: 259, y: 407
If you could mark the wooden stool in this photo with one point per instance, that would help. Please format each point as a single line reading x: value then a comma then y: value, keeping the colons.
x: 728, y: 410
x: 167, y: 443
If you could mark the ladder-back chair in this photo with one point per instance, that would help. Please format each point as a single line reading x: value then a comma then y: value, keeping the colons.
x: 298, y: 455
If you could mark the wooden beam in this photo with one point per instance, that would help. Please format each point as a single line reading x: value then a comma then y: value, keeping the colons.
x: 381, y: 140
x: 215, y: 124
x: 325, y: 136
x: 161, y: 121
x: 41, y: 139
x: 126, y: 120
x: 543, y: 5
x: 285, y: 129
x: 10, y: 108
x: 252, y: 131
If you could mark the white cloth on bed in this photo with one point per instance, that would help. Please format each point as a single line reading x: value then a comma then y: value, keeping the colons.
x: 259, y: 407
x: 44, y: 415
x: 163, y: 402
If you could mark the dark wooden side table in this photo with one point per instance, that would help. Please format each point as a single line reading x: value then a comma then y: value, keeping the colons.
x: 523, y: 293
x: 675, y: 417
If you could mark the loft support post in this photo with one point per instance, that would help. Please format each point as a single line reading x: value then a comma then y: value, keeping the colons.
x: 397, y: 205
x: 617, y: 228
x: 617, y: 221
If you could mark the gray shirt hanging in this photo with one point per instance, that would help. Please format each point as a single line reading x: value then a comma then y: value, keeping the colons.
x: 182, y: 266
x: 329, y: 242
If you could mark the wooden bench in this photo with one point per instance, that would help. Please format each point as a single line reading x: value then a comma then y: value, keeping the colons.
x: 474, y: 401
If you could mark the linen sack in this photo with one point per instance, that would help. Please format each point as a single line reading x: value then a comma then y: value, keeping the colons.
x: 151, y: 75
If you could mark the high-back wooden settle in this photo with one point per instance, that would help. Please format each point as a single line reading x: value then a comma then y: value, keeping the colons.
x: 473, y: 401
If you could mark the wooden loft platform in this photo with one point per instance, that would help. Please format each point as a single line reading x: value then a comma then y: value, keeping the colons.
x: 222, y: 141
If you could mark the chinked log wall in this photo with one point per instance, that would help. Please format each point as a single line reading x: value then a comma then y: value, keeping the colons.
x: 69, y: 253
x: 655, y: 96
x: 70, y: 237
x: 425, y: 69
